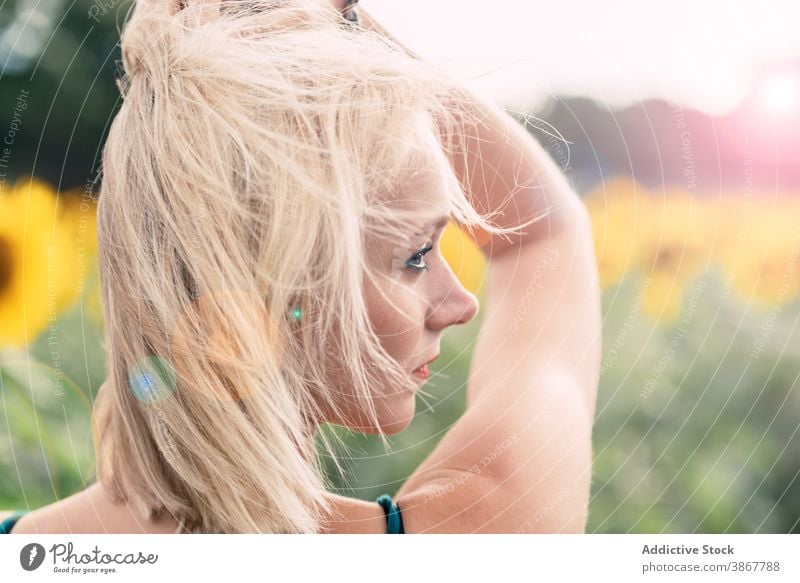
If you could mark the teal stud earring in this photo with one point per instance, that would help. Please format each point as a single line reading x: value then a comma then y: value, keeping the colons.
x: 297, y: 313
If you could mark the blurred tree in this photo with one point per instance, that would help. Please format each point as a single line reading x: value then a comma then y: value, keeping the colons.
x: 62, y: 57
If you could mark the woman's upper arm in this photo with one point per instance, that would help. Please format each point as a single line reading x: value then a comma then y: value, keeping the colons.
x: 503, y: 168
x: 519, y: 466
x: 541, y: 314
x: 520, y: 457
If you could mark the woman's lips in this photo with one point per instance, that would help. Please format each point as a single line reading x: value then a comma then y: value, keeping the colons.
x: 422, y: 372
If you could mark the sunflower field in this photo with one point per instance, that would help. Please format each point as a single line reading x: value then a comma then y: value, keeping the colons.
x: 697, y: 417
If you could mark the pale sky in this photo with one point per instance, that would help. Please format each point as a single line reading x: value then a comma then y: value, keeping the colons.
x: 708, y: 54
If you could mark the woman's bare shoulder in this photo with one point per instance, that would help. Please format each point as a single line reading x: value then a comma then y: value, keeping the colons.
x: 354, y: 516
x: 89, y: 511
x: 92, y: 511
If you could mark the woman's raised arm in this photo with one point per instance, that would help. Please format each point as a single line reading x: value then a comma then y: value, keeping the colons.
x: 519, y: 459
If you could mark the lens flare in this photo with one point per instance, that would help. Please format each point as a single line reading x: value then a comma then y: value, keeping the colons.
x: 780, y: 95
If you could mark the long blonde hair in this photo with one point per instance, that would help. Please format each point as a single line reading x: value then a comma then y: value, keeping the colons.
x: 256, y: 147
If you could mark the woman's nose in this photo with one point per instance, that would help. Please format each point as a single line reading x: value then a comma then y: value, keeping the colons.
x: 453, y: 305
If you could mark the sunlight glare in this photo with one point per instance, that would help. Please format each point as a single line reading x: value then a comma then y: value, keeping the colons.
x: 780, y: 94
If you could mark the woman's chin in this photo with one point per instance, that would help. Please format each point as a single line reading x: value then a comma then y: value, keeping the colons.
x: 394, y: 415
x: 400, y: 415
x: 397, y: 425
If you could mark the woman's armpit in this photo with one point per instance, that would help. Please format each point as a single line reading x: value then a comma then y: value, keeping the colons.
x: 449, y: 501
x: 505, y: 461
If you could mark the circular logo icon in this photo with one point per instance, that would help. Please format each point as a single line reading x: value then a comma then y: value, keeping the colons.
x: 31, y: 556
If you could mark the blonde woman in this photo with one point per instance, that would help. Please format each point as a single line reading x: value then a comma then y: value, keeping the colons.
x: 274, y: 188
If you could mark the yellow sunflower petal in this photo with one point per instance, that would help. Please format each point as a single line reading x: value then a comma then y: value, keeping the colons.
x: 464, y: 256
x: 38, y: 262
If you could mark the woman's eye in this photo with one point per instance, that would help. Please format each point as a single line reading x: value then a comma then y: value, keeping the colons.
x: 416, y: 261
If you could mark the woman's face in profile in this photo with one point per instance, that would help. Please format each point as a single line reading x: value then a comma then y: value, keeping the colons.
x: 413, y: 300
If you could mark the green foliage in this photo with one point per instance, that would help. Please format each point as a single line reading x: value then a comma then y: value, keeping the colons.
x: 712, y: 447
x: 47, y: 394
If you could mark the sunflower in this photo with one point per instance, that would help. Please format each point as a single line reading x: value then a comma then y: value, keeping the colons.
x: 675, y: 252
x: 463, y: 256
x: 78, y: 218
x: 622, y: 218
x: 35, y: 262
x: 663, y: 238
x: 762, y: 258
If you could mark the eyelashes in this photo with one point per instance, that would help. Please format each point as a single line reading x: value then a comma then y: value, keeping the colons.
x: 413, y: 262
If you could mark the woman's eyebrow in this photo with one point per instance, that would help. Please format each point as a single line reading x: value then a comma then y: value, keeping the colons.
x: 434, y: 224
x: 441, y: 222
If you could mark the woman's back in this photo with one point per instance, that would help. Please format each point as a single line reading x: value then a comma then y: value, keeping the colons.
x: 85, y: 512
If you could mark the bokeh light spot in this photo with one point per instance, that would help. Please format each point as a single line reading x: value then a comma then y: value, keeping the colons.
x: 151, y: 379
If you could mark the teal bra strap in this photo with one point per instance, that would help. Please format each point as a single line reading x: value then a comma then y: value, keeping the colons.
x: 394, y: 520
x: 7, y: 524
